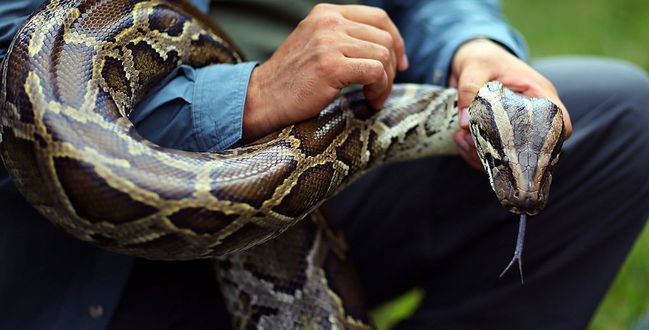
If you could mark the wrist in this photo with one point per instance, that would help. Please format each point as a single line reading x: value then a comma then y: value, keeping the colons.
x: 255, y: 122
x: 252, y: 111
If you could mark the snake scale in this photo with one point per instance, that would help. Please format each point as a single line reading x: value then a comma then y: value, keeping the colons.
x: 75, y: 71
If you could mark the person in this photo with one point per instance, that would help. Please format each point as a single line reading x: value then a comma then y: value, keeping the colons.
x: 432, y: 223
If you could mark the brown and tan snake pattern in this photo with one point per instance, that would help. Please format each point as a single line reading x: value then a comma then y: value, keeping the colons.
x: 77, y: 68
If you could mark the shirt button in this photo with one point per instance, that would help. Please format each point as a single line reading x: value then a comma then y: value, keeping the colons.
x: 96, y: 311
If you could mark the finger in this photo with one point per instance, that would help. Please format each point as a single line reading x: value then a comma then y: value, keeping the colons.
x: 460, y: 141
x: 378, y: 92
x: 469, y: 83
x: 520, y: 86
x: 378, y: 18
x: 368, y: 72
x: 371, y: 34
x: 453, y: 81
x: 466, y: 148
x: 471, y: 159
x: 464, y: 118
x: 357, y: 48
x: 374, y: 35
x: 567, y: 123
x: 467, y: 140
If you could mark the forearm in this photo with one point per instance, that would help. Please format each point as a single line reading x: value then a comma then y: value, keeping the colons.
x: 196, y: 109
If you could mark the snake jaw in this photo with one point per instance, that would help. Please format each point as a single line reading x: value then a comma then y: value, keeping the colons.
x: 524, y: 202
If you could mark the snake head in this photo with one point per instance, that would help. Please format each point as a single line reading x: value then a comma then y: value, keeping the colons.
x: 518, y: 139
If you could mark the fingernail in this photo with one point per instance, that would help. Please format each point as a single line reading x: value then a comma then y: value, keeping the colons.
x: 404, y: 60
x: 464, y: 117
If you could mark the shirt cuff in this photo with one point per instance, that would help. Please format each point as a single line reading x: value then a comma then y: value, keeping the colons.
x: 218, y: 106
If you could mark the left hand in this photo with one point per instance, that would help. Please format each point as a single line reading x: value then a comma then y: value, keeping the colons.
x: 480, y: 61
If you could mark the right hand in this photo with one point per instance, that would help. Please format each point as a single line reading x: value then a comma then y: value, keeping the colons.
x: 333, y: 47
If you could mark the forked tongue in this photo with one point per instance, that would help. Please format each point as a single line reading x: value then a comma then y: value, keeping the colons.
x: 518, y: 253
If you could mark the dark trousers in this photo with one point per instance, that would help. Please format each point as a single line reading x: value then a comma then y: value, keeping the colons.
x: 436, y: 224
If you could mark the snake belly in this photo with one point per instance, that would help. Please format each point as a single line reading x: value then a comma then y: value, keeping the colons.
x: 75, y: 71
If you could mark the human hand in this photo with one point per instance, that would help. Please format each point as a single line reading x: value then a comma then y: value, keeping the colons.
x: 479, y: 61
x: 333, y: 47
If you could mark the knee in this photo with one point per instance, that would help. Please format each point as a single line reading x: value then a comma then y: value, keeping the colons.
x: 597, y: 84
x: 622, y: 91
x: 609, y: 104
x: 630, y: 85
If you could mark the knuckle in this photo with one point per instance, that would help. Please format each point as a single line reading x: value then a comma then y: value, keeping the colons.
x: 305, y: 22
x: 387, y: 39
x: 549, y: 85
x: 323, y: 42
x: 383, y: 54
x: 375, y: 71
x: 324, y: 64
x: 468, y: 89
x: 328, y: 21
x: 481, y: 59
x: 321, y: 7
x: 379, y: 13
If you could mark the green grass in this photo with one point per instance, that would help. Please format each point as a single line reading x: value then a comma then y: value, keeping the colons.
x: 600, y: 27
x: 595, y: 27
x: 628, y: 297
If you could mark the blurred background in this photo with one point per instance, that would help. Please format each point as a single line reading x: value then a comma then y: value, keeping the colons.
x: 595, y: 27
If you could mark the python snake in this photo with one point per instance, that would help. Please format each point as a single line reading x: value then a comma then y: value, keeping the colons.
x: 76, y: 69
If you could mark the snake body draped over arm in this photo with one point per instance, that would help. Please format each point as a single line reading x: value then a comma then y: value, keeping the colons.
x: 75, y: 71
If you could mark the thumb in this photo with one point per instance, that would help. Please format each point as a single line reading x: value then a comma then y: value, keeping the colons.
x: 469, y: 83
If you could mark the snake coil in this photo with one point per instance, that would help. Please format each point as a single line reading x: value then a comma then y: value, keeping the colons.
x: 76, y: 69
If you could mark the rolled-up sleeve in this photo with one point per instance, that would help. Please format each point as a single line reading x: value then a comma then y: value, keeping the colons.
x: 196, y: 109
x: 435, y: 29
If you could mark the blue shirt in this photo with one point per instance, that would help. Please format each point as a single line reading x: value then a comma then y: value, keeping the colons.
x: 48, y: 280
